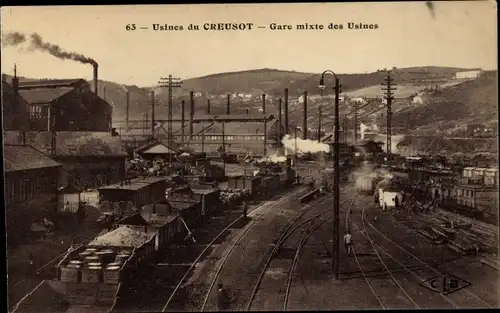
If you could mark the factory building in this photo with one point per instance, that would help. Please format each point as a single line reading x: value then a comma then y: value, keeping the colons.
x: 31, y: 180
x: 65, y: 105
x: 89, y: 159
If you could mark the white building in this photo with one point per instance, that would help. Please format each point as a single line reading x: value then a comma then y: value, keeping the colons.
x: 467, y: 74
x: 417, y: 100
x: 358, y: 100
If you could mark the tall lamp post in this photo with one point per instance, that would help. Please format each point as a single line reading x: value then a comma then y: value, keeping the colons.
x: 336, y: 177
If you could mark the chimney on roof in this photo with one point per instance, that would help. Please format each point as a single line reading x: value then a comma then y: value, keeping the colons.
x: 15, y: 80
x: 96, y: 77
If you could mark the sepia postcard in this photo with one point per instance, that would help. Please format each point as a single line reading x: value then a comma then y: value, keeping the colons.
x: 256, y: 157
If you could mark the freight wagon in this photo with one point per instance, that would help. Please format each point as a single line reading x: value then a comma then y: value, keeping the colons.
x: 366, y: 183
x: 251, y: 183
x: 95, y: 274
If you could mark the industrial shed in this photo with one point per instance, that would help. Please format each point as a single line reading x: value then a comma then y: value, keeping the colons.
x: 89, y: 159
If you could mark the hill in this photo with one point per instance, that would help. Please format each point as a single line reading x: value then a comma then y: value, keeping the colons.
x: 468, y: 103
x: 457, y: 101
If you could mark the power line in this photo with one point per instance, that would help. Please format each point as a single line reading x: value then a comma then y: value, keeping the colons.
x: 389, y: 89
x: 170, y: 83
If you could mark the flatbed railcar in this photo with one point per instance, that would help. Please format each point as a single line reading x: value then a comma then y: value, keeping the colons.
x: 140, y: 191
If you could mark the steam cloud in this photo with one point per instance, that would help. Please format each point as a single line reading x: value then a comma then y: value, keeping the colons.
x: 304, y: 145
x: 273, y: 158
x: 36, y: 43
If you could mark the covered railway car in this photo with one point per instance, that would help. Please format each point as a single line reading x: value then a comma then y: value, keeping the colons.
x: 366, y: 183
x: 138, y: 191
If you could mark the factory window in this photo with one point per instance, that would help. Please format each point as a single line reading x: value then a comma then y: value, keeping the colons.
x: 261, y: 137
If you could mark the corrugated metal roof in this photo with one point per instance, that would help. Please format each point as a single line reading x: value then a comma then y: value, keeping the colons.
x: 20, y: 158
x: 46, y: 83
x: 46, y: 95
x: 80, y: 144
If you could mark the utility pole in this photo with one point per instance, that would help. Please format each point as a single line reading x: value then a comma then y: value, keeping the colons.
x: 304, y: 121
x: 355, y: 122
x: 319, y: 123
x: 280, y: 124
x: 170, y: 83
x: 223, y: 147
x: 127, y: 109
x: 336, y: 207
x: 265, y: 123
x: 183, y: 112
x: 295, y: 147
x: 388, y: 88
x: 228, y: 105
x: 153, y: 103
x: 208, y: 106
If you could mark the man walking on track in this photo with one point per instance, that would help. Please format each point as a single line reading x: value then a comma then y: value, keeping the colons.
x: 222, y: 298
x: 347, y: 242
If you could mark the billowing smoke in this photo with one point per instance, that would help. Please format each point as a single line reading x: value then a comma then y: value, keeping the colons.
x: 273, y: 158
x: 36, y: 43
x: 303, y: 145
x: 381, y: 176
x: 362, y: 129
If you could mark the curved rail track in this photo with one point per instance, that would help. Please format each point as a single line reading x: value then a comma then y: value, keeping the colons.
x: 219, y: 235
x: 365, y: 228
x: 282, y: 239
x: 451, y: 298
x: 394, y: 285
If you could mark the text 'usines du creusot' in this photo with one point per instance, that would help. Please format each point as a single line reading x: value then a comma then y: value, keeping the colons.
x: 253, y: 26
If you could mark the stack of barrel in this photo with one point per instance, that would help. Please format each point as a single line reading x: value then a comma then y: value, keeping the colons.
x: 88, y: 266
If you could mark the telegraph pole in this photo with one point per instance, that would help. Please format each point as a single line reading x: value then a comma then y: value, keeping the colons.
x: 388, y: 88
x: 355, y: 122
x: 153, y: 103
x: 170, y: 83
x: 265, y: 123
x: 319, y: 123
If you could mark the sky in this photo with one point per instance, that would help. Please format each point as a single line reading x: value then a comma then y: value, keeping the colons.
x: 455, y: 33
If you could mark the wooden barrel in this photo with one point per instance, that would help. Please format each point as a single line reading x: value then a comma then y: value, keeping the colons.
x: 112, y: 275
x: 91, y: 274
x: 84, y: 254
x: 106, y: 256
x: 119, y: 264
x: 70, y: 274
x: 76, y: 262
x: 91, y: 259
x: 94, y: 264
x: 121, y: 257
x: 91, y: 250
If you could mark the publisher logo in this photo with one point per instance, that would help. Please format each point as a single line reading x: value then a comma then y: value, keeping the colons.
x: 445, y: 284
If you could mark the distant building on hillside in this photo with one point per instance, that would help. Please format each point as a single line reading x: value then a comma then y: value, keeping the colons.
x: 417, y: 100
x: 467, y: 74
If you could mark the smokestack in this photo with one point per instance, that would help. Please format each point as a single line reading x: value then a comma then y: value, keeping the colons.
x: 96, y: 77
x: 191, y: 114
x: 15, y: 80
x: 286, y: 111
x: 183, y: 104
x: 208, y: 106
x: 265, y: 122
x: 279, y: 122
x: 228, y: 105
x: 127, y: 111
x: 304, y: 122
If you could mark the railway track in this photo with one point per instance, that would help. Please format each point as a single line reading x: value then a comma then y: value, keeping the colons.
x: 389, y: 284
x: 409, y: 276
x: 285, y: 235
x: 461, y: 299
x: 219, y: 235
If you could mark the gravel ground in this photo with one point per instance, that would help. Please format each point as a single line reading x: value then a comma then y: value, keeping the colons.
x: 439, y: 259
x: 152, y: 291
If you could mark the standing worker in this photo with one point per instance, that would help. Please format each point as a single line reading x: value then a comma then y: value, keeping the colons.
x: 222, y: 298
x: 244, y: 207
x: 31, y: 265
x: 348, y: 243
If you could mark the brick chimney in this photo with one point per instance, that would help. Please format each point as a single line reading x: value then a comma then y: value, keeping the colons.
x: 15, y: 80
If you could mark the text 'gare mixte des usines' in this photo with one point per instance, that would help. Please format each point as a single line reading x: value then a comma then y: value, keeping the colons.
x: 252, y: 26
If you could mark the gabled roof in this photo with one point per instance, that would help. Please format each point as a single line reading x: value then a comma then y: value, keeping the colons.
x: 51, y: 83
x: 134, y: 219
x: 44, y: 95
x: 21, y: 158
x: 155, y: 143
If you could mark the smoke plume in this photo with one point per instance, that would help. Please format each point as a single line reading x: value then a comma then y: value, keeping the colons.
x: 303, y: 145
x: 36, y: 43
x: 273, y: 158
